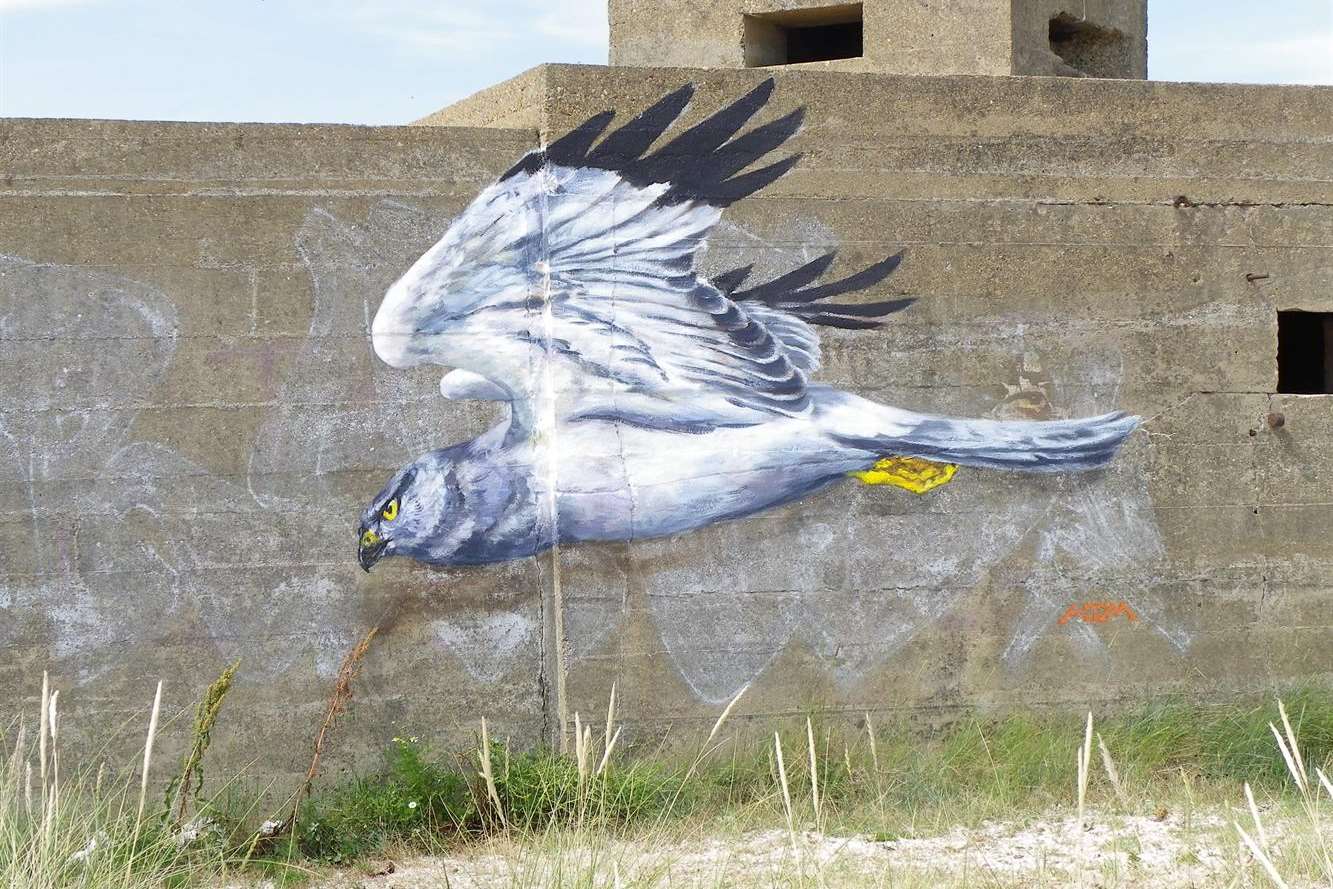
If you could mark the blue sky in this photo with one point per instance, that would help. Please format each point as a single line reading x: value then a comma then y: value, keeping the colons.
x: 392, y: 61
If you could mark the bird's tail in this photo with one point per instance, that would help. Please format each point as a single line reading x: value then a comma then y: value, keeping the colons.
x: 1022, y: 445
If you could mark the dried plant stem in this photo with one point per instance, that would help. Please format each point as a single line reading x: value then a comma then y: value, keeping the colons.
x: 606, y: 754
x: 1262, y: 857
x: 16, y: 760
x: 1112, y: 773
x: 488, y: 773
x: 874, y: 750
x: 338, y: 701
x: 42, y: 730
x: 143, y: 780
x: 814, y: 774
x: 1084, y: 768
x: 610, y: 718
x: 1254, y: 814
x: 51, y: 802
x: 1291, y: 753
x: 786, y: 804
x: 705, y: 748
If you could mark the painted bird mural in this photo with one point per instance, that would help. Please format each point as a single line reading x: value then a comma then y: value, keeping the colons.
x: 644, y: 398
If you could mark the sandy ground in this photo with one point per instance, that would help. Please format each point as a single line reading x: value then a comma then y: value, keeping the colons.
x: 1171, y: 853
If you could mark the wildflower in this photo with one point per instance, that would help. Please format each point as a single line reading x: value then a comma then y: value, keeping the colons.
x: 412, y: 805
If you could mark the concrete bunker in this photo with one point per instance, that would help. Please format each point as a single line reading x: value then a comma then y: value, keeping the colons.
x: 791, y: 37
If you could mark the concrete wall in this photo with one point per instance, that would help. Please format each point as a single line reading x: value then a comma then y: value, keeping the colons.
x: 1077, y: 246
x: 192, y: 420
x: 195, y: 419
x: 1103, y: 38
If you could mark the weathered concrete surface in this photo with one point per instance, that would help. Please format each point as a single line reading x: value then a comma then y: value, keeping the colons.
x: 192, y: 421
x: 1077, y: 246
x: 194, y: 418
x: 1090, y: 38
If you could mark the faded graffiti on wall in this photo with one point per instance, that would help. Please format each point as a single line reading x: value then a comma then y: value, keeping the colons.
x: 646, y: 399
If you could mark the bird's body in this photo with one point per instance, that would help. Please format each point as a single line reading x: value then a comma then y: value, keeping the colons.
x: 499, y: 496
x: 644, y: 399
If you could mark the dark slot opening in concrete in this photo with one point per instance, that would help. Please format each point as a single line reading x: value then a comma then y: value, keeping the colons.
x: 1305, y: 353
x: 821, y: 34
x: 1089, y: 49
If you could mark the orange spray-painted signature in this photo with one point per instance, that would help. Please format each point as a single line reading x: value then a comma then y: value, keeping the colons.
x: 1098, y: 612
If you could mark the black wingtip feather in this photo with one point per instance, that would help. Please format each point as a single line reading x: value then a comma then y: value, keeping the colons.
x: 791, y: 282
x: 628, y: 143
x: 794, y: 294
x: 865, y: 310
x: 727, y: 282
x: 702, y: 164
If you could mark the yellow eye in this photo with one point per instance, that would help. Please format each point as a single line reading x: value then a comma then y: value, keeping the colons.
x: 390, y: 511
x: 369, y: 539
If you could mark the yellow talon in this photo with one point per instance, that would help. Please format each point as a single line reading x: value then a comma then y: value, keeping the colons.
x: 912, y: 473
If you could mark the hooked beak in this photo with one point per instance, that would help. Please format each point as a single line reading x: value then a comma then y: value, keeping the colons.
x: 370, y: 550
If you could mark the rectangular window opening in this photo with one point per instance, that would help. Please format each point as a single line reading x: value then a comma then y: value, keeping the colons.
x: 1305, y: 353
x: 820, y: 34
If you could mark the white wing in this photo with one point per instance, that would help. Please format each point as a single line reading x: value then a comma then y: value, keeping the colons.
x: 575, y: 275
x: 576, y: 279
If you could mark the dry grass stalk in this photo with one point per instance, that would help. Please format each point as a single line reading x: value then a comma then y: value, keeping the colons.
x: 726, y: 711
x: 1084, y: 768
x: 1261, y: 856
x: 1112, y: 773
x: 606, y: 754
x: 338, y: 701
x: 814, y: 774
x: 148, y: 749
x: 51, y: 802
x: 42, y: 730
x: 143, y: 780
x: 1323, y: 779
x: 874, y: 751
x: 16, y: 759
x: 488, y: 774
x: 610, y: 718
x: 786, y: 789
x: 1254, y: 814
x: 1291, y: 752
x: 706, y: 747
x: 582, y: 741
x: 1291, y: 736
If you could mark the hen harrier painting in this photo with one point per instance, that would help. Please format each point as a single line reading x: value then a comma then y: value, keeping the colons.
x: 645, y: 399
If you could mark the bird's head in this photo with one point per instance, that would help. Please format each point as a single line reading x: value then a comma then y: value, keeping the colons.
x: 398, y: 520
